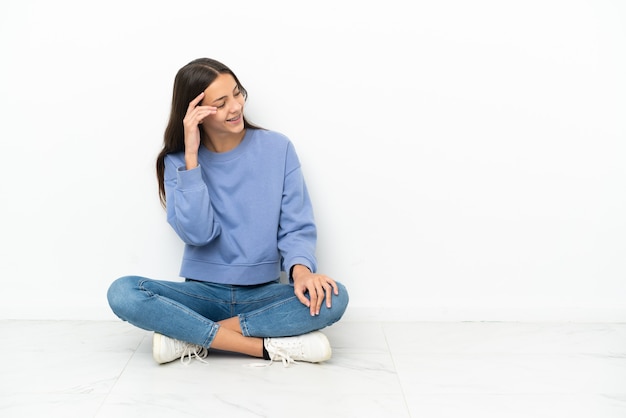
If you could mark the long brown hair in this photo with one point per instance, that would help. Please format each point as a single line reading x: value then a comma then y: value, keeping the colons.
x: 190, y: 81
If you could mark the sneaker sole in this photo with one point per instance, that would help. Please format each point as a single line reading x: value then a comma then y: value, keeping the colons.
x: 156, y: 342
x: 327, y: 352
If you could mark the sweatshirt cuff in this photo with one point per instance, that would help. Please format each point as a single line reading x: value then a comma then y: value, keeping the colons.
x: 299, y: 260
x: 189, y: 179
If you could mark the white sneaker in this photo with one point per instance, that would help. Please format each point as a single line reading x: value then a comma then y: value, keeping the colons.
x: 312, y: 347
x: 166, y: 349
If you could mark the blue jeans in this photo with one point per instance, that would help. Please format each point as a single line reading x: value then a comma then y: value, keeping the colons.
x: 189, y: 310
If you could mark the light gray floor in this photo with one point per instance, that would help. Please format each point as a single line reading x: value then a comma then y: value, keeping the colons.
x: 413, y: 369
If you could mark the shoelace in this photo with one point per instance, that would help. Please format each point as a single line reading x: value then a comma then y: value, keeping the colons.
x: 282, y: 351
x: 284, y: 356
x: 190, y: 351
x: 286, y: 359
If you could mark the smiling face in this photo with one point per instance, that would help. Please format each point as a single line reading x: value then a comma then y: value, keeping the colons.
x: 225, y: 95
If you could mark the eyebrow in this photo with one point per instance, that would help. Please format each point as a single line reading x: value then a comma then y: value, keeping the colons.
x: 224, y: 97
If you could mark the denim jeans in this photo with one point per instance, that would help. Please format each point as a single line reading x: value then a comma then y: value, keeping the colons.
x: 189, y: 310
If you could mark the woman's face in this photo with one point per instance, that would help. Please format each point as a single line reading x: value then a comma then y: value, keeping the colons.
x: 223, y: 94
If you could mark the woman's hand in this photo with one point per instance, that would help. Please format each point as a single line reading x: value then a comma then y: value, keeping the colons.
x: 194, y: 117
x: 318, y: 287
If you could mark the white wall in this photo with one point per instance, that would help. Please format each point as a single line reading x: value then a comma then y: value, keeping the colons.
x: 466, y: 158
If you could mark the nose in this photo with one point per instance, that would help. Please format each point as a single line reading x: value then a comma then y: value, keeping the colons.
x: 235, y: 105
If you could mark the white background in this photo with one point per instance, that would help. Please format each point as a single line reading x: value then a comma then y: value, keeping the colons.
x: 467, y: 159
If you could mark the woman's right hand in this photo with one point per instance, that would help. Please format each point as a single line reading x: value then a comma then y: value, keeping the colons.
x: 194, y: 117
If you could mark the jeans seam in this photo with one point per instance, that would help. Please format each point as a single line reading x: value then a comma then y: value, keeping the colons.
x: 243, y: 324
x: 244, y: 317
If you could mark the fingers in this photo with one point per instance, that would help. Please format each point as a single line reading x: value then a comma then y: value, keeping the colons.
x: 196, y: 113
x: 199, y: 113
x: 202, y: 112
x: 302, y: 298
x: 329, y: 295
x: 314, y: 299
x: 313, y: 289
x: 323, y: 291
x: 196, y: 101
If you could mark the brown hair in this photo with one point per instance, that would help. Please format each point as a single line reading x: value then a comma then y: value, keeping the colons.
x: 190, y: 81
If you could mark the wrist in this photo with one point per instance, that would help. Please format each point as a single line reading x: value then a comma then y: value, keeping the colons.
x: 191, y: 161
x: 298, y: 270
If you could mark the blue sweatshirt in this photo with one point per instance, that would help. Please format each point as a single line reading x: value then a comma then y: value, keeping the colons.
x: 244, y: 215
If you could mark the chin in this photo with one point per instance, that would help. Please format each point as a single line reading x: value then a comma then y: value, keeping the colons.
x: 238, y: 128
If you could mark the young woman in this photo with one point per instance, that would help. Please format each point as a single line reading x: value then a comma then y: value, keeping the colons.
x: 235, y: 195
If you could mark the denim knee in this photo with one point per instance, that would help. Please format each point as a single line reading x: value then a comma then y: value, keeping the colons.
x: 119, y: 295
x: 340, y: 302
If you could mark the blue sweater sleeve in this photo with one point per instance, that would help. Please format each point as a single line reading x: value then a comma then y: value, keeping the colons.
x: 188, y: 204
x: 297, y: 233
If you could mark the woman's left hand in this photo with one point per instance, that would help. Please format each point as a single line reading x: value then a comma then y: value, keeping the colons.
x: 318, y: 286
